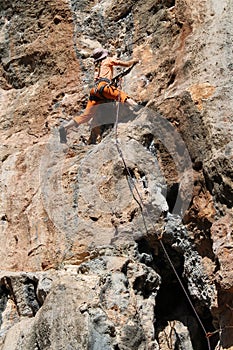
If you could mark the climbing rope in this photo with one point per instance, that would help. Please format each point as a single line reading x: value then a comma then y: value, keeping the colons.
x: 128, y: 175
x: 143, y: 209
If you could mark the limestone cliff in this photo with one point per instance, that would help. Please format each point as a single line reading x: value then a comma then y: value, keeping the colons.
x: 126, y: 243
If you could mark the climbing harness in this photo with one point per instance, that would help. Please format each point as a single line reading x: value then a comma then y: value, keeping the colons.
x: 96, y: 93
x: 143, y: 209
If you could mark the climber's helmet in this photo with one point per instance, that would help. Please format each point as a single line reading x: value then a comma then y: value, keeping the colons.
x: 99, y: 53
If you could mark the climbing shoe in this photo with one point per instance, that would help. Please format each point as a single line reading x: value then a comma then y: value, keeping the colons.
x: 62, y: 132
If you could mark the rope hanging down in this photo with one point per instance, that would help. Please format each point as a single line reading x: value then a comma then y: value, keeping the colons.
x: 142, y: 209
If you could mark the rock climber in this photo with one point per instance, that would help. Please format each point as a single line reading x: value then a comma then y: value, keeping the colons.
x: 103, y: 91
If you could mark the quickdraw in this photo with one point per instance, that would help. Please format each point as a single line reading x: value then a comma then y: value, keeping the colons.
x: 116, y: 79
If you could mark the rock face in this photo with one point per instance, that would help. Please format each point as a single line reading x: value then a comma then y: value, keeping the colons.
x: 126, y: 243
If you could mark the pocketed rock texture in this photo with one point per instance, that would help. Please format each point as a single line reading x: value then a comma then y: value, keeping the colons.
x: 125, y: 243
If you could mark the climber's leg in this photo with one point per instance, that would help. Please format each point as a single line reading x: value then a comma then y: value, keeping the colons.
x: 76, y: 121
x: 63, y: 130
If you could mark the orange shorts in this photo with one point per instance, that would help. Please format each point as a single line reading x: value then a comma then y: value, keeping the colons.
x: 109, y: 92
